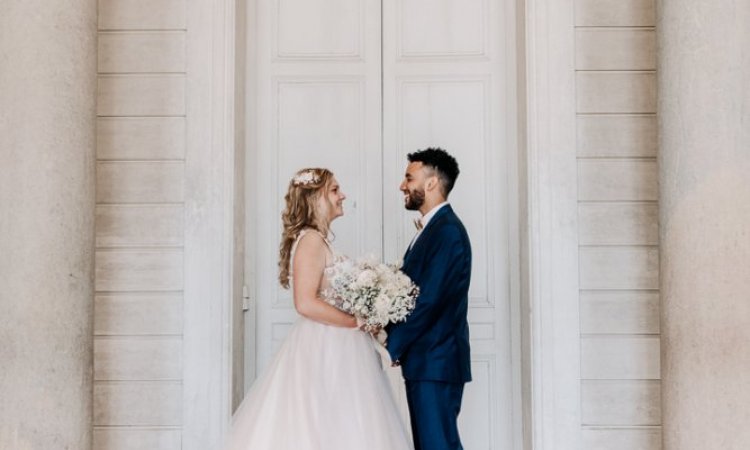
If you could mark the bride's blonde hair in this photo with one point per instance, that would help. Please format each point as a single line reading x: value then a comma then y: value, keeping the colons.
x: 301, y: 212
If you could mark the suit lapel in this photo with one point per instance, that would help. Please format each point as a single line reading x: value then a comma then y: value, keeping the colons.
x: 424, y: 237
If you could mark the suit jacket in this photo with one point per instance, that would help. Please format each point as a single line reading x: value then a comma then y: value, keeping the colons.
x: 433, y: 343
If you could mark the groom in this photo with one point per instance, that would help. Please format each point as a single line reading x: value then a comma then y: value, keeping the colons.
x: 432, y: 346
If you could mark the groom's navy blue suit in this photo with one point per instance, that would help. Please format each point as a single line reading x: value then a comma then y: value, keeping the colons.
x: 433, y: 344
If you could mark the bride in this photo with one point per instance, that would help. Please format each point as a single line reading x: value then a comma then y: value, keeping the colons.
x: 325, y: 389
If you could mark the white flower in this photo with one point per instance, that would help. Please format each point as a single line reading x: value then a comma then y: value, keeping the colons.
x: 305, y: 177
x: 367, y: 277
x: 375, y: 292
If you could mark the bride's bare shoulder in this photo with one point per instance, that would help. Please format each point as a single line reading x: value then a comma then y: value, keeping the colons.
x: 311, y: 243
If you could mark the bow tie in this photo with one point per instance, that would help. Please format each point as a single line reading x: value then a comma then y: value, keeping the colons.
x: 418, y: 224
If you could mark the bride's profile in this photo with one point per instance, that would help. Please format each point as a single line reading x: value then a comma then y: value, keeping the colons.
x: 325, y: 388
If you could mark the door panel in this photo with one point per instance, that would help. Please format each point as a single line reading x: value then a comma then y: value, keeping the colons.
x: 318, y: 105
x: 452, y: 114
x: 319, y: 28
x: 443, y: 28
x: 445, y: 85
x: 320, y: 124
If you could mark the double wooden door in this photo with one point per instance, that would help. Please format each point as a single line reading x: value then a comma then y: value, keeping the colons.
x: 355, y: 85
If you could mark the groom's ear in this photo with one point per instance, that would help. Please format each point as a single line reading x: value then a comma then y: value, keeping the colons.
x: 433, y: 182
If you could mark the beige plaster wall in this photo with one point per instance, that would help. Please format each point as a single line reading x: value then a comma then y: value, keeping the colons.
x: 47, y: 141
x: 705, y: 217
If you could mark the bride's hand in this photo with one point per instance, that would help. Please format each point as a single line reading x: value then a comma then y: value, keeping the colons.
x: 362, y: 325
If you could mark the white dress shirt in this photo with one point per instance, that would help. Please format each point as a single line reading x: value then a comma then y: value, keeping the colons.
x: 424, y: 220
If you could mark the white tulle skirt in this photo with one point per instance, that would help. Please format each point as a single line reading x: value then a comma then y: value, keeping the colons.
x: 325, y: 390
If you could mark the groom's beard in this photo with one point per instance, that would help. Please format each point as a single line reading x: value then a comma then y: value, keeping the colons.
x: 415, y: 200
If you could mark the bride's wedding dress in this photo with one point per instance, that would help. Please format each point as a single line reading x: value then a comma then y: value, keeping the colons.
x: 324, y: 390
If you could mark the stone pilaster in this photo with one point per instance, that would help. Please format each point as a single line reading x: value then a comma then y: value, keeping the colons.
x: 704, y: 174
x: 47, y: 160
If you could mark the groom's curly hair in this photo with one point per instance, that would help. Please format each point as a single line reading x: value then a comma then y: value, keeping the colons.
x: 444, y: 165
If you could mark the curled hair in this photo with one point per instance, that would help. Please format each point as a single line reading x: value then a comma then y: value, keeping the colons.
x: 444, y: 165
x: 300, y: 212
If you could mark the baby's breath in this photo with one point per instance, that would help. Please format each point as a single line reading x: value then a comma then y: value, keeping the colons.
x: 376, y: 292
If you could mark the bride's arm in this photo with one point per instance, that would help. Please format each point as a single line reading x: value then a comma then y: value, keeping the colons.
x: 308, y: 266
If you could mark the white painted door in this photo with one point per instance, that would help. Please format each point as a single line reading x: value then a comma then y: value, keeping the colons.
x: 332, y: 92
x: 446, y: 65
x: 318, y: 105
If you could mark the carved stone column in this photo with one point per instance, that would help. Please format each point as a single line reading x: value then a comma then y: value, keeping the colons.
x: 704, y: 173
x: 47, y: 156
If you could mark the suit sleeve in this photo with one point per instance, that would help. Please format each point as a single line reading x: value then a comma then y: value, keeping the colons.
x: 443, y: 272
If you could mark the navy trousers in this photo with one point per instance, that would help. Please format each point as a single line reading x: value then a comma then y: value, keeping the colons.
x: 433, y: 409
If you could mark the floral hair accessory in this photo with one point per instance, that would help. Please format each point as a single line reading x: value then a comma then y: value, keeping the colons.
x: 304, y: 178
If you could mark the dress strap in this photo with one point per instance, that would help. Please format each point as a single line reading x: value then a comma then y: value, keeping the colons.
x: 301, y: 234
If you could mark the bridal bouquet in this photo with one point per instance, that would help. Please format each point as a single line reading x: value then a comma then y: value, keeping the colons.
x: 376, y: 293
